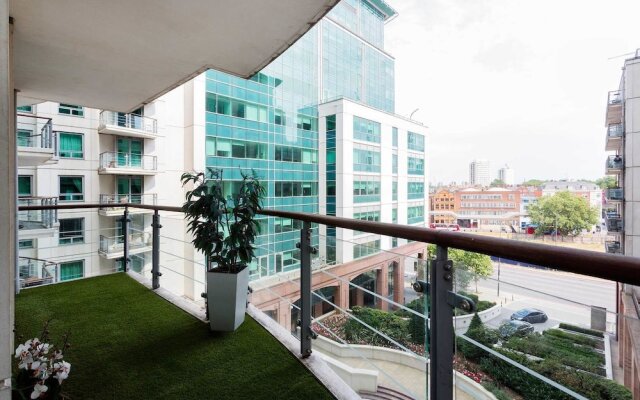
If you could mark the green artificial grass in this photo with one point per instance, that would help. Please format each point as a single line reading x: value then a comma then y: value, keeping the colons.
x: 128, y: 343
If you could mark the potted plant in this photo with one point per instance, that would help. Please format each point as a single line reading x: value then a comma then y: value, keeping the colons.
x: 224, y: 229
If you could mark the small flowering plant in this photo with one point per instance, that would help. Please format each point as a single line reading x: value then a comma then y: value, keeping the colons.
x: 42, y: 367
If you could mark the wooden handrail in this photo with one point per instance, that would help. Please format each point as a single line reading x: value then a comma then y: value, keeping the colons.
x: 614, y: 267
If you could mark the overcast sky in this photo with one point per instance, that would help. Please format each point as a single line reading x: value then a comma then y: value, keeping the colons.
x: 517, y: 82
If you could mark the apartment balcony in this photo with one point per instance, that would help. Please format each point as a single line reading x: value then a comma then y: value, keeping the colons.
x: 352, y: 296
x: 614, y: 108
x: 112, y: 247
x: 615, y: 194
x: 37, y: 142
x: 614, y: 223
x: 112, y: 203
x: 37, y: 223
x: 615, y: 133
x: 127, y: 164
x: 36, y: 272
x: 614, y: 165
x: 613, y: 247
x: 131, y: 125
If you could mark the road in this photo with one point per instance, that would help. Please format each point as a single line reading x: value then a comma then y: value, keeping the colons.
x: 565, y: 297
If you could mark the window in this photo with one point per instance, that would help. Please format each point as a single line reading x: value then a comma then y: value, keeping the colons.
x: 415, y: 166
x: 25, y: 138
x: 25, y: 109
x: 70, y: 109
x: 25, y: 244
x: 296, y: 154
x: 394, y: 136
x: 364, y: 129
x: 394, y: 215
x: 366, y: 160
x: 394, y: 163
x: 394, y: 191
x: 415, y: 190
x: 365, y: 249
x: 71, y: 231
x: 415, y: 141
x: 366, y: 189
x: 295, y: 189
x: 71, y: 145
x: 71, y: 270
x: 24, y: 186
x: 221, y: 147
x: 415, y: 214
x: 71, y: 188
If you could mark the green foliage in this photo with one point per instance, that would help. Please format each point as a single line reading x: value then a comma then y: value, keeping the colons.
x: 607, y: 182
x: 497, y: 182
x: 480, y: 333
x: 578, y: 339
x: 579, y: 329
x: 533, y: 182
x: 467, y: 262
x: 391, y: 325
x: 569, y: 213
x: 484, y: 305
x: 496, y: 391
x: 211, y: 216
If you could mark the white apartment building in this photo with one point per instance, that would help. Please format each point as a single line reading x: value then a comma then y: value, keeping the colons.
x: 378, y: 161
x: 587, y: 190
x: 479, y: 173
x: 507, y: 175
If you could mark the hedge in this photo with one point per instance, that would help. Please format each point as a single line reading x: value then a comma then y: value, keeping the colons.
x: 579, y: 329
x: 393, y: 326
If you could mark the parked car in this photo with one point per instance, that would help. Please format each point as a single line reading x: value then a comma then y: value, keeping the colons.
x: 453, y: 227
x: 515, y: 328
x: 530, y: 315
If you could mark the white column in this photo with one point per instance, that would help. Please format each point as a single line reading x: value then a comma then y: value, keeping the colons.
x: 8, y: 173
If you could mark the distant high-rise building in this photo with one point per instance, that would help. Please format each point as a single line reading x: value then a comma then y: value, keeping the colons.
x: 479, y: 173
x: 507, y: 175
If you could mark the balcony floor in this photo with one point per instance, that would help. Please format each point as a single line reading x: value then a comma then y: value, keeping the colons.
x: 127, y: 343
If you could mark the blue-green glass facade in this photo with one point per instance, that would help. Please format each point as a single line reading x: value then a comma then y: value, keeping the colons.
x: 269, y: 123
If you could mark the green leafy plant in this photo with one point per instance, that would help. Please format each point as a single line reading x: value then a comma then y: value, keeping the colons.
x: 223, y: 228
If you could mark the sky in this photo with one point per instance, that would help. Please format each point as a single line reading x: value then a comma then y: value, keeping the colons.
x: 516, y: 82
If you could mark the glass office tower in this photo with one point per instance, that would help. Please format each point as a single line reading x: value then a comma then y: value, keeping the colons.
x: 269, y: 123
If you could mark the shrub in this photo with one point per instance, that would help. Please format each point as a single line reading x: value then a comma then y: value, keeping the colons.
x: 573, y: 338
x: 579, y: 329
x: 480, y: 333
x: 391, y: 325
x: 496, y: 391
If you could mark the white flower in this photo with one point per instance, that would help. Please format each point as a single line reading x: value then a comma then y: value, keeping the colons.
x: 38, y: 389
x: 57, y: 355
x: 35, y: 365
x: 44, y: 348
x: 22, y: 351
x: 63, y: 368
x: 25, y: 361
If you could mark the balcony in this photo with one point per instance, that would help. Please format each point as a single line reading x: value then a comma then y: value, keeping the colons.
x: 615, y: 194
x: 614, y: 165
x: 131, y: 125
x: 127, y: 164
x: 37, y: 142
x: 35, y: 272
x: 614, y: 223
x: 150, y: 349
x: 112, y: 203
x: 614, y: 108
x: 615, y: 132
x: 113, y: 246
x: 37, y: 223
x: 344, y: 304
x: 613, y: 247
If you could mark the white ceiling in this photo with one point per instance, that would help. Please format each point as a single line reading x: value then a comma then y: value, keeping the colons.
x: 119, y: 54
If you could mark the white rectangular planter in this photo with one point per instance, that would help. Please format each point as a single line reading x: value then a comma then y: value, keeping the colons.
x: 227, y: 299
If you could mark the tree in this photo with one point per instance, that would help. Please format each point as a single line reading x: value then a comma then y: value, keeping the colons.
x: 564, y: 211
x: 608, y: 182
x: 478, y: 265
x: 467, y: 265
x: 533, y: 182
x: 497, y: 182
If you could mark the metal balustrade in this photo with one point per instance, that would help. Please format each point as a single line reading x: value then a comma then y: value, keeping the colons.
x: 37, y: 219
x: 436, y: 281
x: 614, y: 162
x: 36, y: 133
x: 129, y: 121
x: 128, y: 161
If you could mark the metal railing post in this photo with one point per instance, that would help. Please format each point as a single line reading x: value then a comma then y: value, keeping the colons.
x: 125, y: 235
x: 441, y: 357
x: 306, y: 334
x: 155, y: 254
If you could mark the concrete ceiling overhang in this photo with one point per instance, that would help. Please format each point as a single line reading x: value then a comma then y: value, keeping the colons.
x: 119, y: 54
